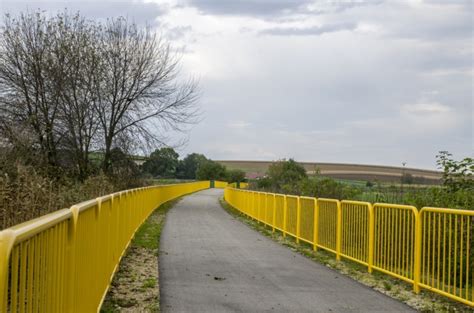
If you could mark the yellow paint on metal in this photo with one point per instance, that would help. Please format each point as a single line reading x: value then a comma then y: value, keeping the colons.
x: 355, y: 227
x: 220, y: 184
x: 446, y: 255
x: 65, y: 261
x: 395, y: 240
x: 432, y: 248
x: 306, y: 219
x: 291, y: 215
x: 328, y: 211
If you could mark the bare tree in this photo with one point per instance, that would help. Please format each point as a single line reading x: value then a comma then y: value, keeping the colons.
x: 71, y: 83
x: 139, y: 95
x: 30, y: 82
x: 79, y: 93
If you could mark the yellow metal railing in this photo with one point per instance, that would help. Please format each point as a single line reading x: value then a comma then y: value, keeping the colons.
x: 446, y: 258
x: 431, y: 248
x: 65, y: 261
x: 220, y: 184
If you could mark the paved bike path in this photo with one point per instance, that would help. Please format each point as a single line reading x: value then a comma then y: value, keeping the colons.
x: 211, y: 262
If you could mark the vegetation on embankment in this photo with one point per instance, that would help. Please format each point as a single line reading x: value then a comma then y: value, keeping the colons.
x: 135, y: 286
x: 29, y: 190
x: 425, y: 301
x: 457, y: 191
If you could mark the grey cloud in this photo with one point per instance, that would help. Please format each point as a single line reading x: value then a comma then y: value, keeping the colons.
x: 179, y: 32
x: 246, y: 7
x: 274, y: 8
x: 308, y: 31
x: 138, y: 11
x: 320, y: 8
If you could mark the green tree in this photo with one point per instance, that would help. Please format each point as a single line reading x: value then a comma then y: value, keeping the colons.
x: 210, y: 170
x: 457, y: 175
x: 235, y: 176
x: 162, y: 163
x: 188, y: 166
x: 285, y: 175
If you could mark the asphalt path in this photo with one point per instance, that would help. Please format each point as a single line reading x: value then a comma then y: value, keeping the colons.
x: 211, y: 262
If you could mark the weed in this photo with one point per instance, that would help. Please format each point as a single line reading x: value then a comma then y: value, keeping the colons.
x: 149, y: 283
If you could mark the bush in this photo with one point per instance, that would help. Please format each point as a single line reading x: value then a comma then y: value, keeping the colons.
x: 284, y: 176
x: 327, y: 188
x: 457, y: 175
x: 210, y: 170
x: 235, y: 176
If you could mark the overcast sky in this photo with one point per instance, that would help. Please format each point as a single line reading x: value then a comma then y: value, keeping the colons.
x: 372, y: 82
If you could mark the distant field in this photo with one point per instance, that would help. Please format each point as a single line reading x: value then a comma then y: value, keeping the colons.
x: 357, y: 172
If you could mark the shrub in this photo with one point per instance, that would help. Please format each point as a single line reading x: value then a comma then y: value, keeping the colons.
x: 284, y: 176
x: 235, y: 176
x: 210, y: 170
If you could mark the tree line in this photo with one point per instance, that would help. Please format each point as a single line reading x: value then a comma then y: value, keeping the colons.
x: 165, y: 163
x: 456, y: 191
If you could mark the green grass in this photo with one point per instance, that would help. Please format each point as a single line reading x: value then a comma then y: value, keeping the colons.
x: 146, y: 243
x: 149, y: 283
x: 146, y: 236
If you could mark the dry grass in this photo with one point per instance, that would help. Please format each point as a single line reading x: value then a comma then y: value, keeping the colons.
x: 28, y: 195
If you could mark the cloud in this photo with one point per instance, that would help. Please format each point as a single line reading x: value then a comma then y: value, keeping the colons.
x: 246, y: 7
x: 326, y: 7
x: 139, y: 11
x: 176, y: 33
x: 238, y: 125
x: 425, y: 108
x: 308, y: 31
x: 339, y: 81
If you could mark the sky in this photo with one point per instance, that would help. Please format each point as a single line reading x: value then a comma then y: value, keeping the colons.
x: 370, y: 82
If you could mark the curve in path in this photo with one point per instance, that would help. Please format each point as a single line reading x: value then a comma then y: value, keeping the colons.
x: 211, y: 262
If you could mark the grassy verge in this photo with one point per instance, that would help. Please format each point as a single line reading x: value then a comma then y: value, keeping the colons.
x: 135, y: 285
x: 425, y: 301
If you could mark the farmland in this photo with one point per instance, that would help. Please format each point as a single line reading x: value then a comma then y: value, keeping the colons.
x: 342, y: 171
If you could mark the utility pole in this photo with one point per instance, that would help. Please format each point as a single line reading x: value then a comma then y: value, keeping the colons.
x: 403, y: 177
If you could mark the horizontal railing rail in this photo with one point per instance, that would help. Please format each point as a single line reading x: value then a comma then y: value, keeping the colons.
x: 431, y: 248
x: 65, y: 261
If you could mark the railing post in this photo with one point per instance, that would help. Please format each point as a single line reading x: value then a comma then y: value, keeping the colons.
x: 255, y: 206
x: 265, y: 209
x: 7, y: 238
x: 285, y: 208
x: 338, y: 230
x: 257, y: 214
x: 274, y: 213
x: 247, y: 203
x: 298, y: 219
x: 71, y: 255
x: 315, y: 226
x: 417, y: 265
x: 370, y: 260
